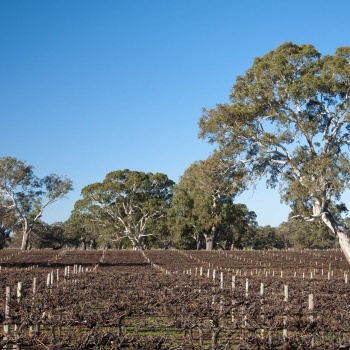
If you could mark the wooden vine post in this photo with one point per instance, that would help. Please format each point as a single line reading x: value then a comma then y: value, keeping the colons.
x: 7, y: 315
x: 286, y: 297
x: 311, y: 310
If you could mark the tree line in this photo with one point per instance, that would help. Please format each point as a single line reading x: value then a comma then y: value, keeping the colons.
x: 287, y: 123
x: 133, y: 209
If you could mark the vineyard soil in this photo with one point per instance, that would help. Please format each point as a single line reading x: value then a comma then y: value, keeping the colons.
x: 170, y: 299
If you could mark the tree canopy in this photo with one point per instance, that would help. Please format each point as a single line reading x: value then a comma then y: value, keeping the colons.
x: 127, y: 204
x: 202, y: 207
x: 24, y: 196
x: 288, y: 119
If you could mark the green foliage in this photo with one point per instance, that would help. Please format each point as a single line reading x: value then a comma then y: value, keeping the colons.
x: 238, y: 227
x: 127, y: 204
x: 7, y: 223
x: 289, y: 120
x: 43, y: 236
x: 48, y: 236
x: 5, y: 236
x: 307, y: 235
x: 202, y: 208
x: 81, y: 232
x: 24, y: 196
x: 268, y: 237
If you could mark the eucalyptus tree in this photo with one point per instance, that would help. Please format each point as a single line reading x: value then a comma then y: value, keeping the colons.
x: 49, y: 236
x: 7, y: 222
x: 43, y: 235
x: 288, y: 119
x: 25, y: 196
x: 5, y: 235
x: 268, y: 237
x: 82, y: 232
x: 205, y: 189
x: 307, y: 235
x: 238, y: 227
x: 129, y: 204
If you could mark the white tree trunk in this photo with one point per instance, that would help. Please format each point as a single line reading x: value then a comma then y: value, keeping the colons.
x: 209, y: 243
x: 341, y: 232
x: 136, y: 243
x: 338, y: 230
x: 26, y: 232
x: 344, y: 241
x: 25, y: 240
x: 209, y: 238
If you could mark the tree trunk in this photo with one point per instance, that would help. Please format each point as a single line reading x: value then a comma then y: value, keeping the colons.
x: 136, y: 244
x: 26, y: 230
x: 25, y: 240
x: 344, y: 241
x: 198, y: 242
x: 332, y: 223
x: 340, y: 231
x: 209, y: 243
x: 209, y: 238
x: 83, y: 245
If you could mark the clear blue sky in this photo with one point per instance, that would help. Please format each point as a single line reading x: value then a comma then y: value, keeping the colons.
x: 87, y: 86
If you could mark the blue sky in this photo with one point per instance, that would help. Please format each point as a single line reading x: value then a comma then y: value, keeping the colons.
x: 87, y: 86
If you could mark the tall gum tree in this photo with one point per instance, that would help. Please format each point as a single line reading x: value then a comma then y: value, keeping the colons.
x: 202, y: 196
x: 26, y: 196
x: 289, y: 120
x: 128, y: 203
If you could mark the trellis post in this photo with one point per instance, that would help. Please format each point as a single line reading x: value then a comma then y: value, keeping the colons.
x: 7, y: 313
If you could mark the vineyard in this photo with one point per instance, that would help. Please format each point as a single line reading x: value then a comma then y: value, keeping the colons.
x: 168, y: 299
